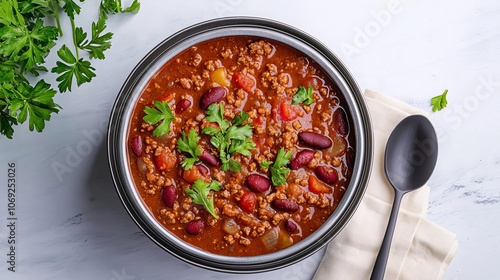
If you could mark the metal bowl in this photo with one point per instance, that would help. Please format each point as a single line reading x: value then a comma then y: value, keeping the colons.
x: 357, y: 115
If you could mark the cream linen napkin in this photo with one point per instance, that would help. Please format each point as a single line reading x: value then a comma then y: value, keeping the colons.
x: 420, y: 249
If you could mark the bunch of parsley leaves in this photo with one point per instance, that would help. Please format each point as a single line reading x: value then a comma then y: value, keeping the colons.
x: 27, y: 37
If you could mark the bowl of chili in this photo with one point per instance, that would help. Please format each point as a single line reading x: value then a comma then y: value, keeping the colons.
x: 240, y: 145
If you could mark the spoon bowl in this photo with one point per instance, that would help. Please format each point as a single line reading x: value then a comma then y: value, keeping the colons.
x: 410, y: 158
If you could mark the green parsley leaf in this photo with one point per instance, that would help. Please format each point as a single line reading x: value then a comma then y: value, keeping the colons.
x: 240, y: 118
x: 210, y: 131
x: 303, y: 96
x: 233, y: 165
x: 79, y: 69
x: 33, y: 104
x: 278, y: 170
x: 265, y: 163
x: 115, y: 6
x: 6, y: 123
x: 239, y: 132
x: 189, y: 144
x: 27, y: 47
x: 229, y: 138
x: 215, y: 113
x: 242, y: 146
x: 199, y: 193
x: 71, y: 8
x: 439, y: 102
x: 98, y: 43
x: 161, y: 113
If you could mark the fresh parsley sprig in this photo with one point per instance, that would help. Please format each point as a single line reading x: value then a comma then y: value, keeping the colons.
x: 189, y: 144
x: 229, y: 138
x: 199, y: 192
x: 304, y: 96
x: 439, y: 102
x: 279, y: 169
x: 161, y: 114
x: 33, y: 103
x: 26, y: 38
x: 72, y: 67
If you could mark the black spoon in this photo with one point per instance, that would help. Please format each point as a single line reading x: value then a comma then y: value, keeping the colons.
x: 410, y: 158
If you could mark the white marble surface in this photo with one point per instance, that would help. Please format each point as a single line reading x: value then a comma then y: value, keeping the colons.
x: 72, y: 225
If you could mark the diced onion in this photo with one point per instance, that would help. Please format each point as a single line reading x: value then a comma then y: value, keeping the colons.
x: 141, y: 165
x: 270, y: 239
x: 230, y: 226
x: 339, y: 146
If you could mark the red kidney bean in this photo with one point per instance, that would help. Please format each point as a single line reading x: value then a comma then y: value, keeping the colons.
x: 301, y: 158
x: 212, y: 96
x: 315, y: 140
x: 182, y: 106
x: 257, y: 183
x: 340, y: 122
x: 290, y: 226
x: 209, y: 158
x: 203, y: 169
x: 285, y: 205
x: 326, y: 174
x: 136, y: 144
x: 195, y: 227
x: 168, y: 196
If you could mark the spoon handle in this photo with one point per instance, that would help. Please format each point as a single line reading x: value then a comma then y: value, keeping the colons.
x: 381, y: 262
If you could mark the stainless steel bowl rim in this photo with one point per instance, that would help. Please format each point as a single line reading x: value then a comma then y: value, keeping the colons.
x: 238, y: 26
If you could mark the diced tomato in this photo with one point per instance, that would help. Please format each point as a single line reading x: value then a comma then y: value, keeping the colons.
x: 260, y: 120
x: 247, y: 202
x: 316, y: 186
x: 243, y: 81
x: 287, y: 111
x: 193, y: 174
x: 165, y: 160
x: 166, y: 97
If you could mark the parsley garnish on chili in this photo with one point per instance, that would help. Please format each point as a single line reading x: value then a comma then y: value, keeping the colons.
x: 161, y: 114
x: 229, y: 138
x: 199, y: 194
x: 303, y: 96
x: 278, y: 169
x: 189, y: 144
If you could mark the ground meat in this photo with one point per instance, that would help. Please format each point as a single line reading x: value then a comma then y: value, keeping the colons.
x: 227, y: 53
x: 230, y: 210
x: 198, y: 82
x: 229, y: 239
x: 262, y: 48
x: 244, y: 241
x: 195, y: 60
x: 168, y: 216
x: 185, y: 83
x: 187, y: 217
